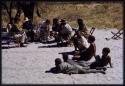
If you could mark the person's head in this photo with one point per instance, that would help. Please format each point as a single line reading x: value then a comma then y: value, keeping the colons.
x: 47, y: 21
x: 91, y: 39
x: 55, y: 21
x: 63, y: 21
x: 80, y: 22
x: 65, y: 57
x: 105, y: 51
x: 58, y: 61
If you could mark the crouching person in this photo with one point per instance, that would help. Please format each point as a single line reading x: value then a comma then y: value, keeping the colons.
x: 66, y: 68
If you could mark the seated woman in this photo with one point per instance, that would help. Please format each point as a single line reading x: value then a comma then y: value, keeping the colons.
x: 89, y: 52
x: 18, y: 33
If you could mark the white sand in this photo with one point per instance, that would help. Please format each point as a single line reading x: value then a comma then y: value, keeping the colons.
x: 28, y: 65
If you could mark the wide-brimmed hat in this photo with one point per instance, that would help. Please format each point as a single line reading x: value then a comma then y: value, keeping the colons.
x: 26, y: 19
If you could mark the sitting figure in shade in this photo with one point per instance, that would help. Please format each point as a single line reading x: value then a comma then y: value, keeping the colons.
x: 65, y: 32
x: 80, y: 42
x: 89, y: 52
x: 67, y: 68
x: 103, y: 61
x: 83, y: 28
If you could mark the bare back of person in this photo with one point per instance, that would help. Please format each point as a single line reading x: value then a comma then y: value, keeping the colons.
x: 89, y: 53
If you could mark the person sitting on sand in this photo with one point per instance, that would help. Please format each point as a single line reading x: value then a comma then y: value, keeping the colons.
x: 18, y: 33
x: 55, y: 28
x: 89, y: 52
x: 28, y: 27
x: 82, y: 28
x: 45, y: 31
x: 66, y: 68
x: 65, y: 32
x: 104, y: 61
x: 80, y: 42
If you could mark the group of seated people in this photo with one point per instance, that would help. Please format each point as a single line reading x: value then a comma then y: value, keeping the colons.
x: 20, y: 31
x: 85, y: 49
x: 62, y: 32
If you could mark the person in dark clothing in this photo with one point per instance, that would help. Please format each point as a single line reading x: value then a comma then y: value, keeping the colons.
x: 55, y: 28
x: 82, y: 28
x: 56, y: 24
x: 89, y: 52
x: 28, y: 26
x: 103, y: 61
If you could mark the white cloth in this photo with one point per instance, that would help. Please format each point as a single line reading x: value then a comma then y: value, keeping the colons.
x: 68, y: 27
x: 83, y: 41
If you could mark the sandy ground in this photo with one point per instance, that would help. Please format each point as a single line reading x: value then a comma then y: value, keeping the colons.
x: 28, y: 65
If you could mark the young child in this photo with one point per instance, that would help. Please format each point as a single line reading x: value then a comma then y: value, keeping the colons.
x: 90, y: 51
x: 104, y: 61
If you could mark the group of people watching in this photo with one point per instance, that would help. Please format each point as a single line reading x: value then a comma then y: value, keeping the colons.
x: 20, y: 32
x: 85, y: 49
x: 63, y: 33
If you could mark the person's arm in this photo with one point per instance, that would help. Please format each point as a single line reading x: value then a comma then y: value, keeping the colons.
x: 110, y: 62
x: 94, y: 49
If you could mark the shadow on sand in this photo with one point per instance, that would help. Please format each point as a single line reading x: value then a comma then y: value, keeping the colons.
x: 49, y: 46
x: 52, y: 70
x: 68, y: 53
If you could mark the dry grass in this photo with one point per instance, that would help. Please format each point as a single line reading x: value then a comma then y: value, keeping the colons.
x: 100, y: 15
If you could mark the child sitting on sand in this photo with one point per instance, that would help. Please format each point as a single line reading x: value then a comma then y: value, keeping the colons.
x: 90, y: 51
x: 104, y: 61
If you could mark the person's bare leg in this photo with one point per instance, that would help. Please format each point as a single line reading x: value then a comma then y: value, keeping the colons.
x: 91, y: 71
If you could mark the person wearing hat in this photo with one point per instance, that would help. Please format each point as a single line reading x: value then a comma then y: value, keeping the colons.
x: 65, y: 32
x: 28, y: 27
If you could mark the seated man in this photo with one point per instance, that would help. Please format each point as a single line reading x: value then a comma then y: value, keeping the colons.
x: 90, y: 51
x: 104, y: 61
x: 45, y: 31
x: 28, y: 27
x: 65, y: 32
x: 82, y: 28
x: 80, y: 42
x: 66, y: 68
x: 55, y: 28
